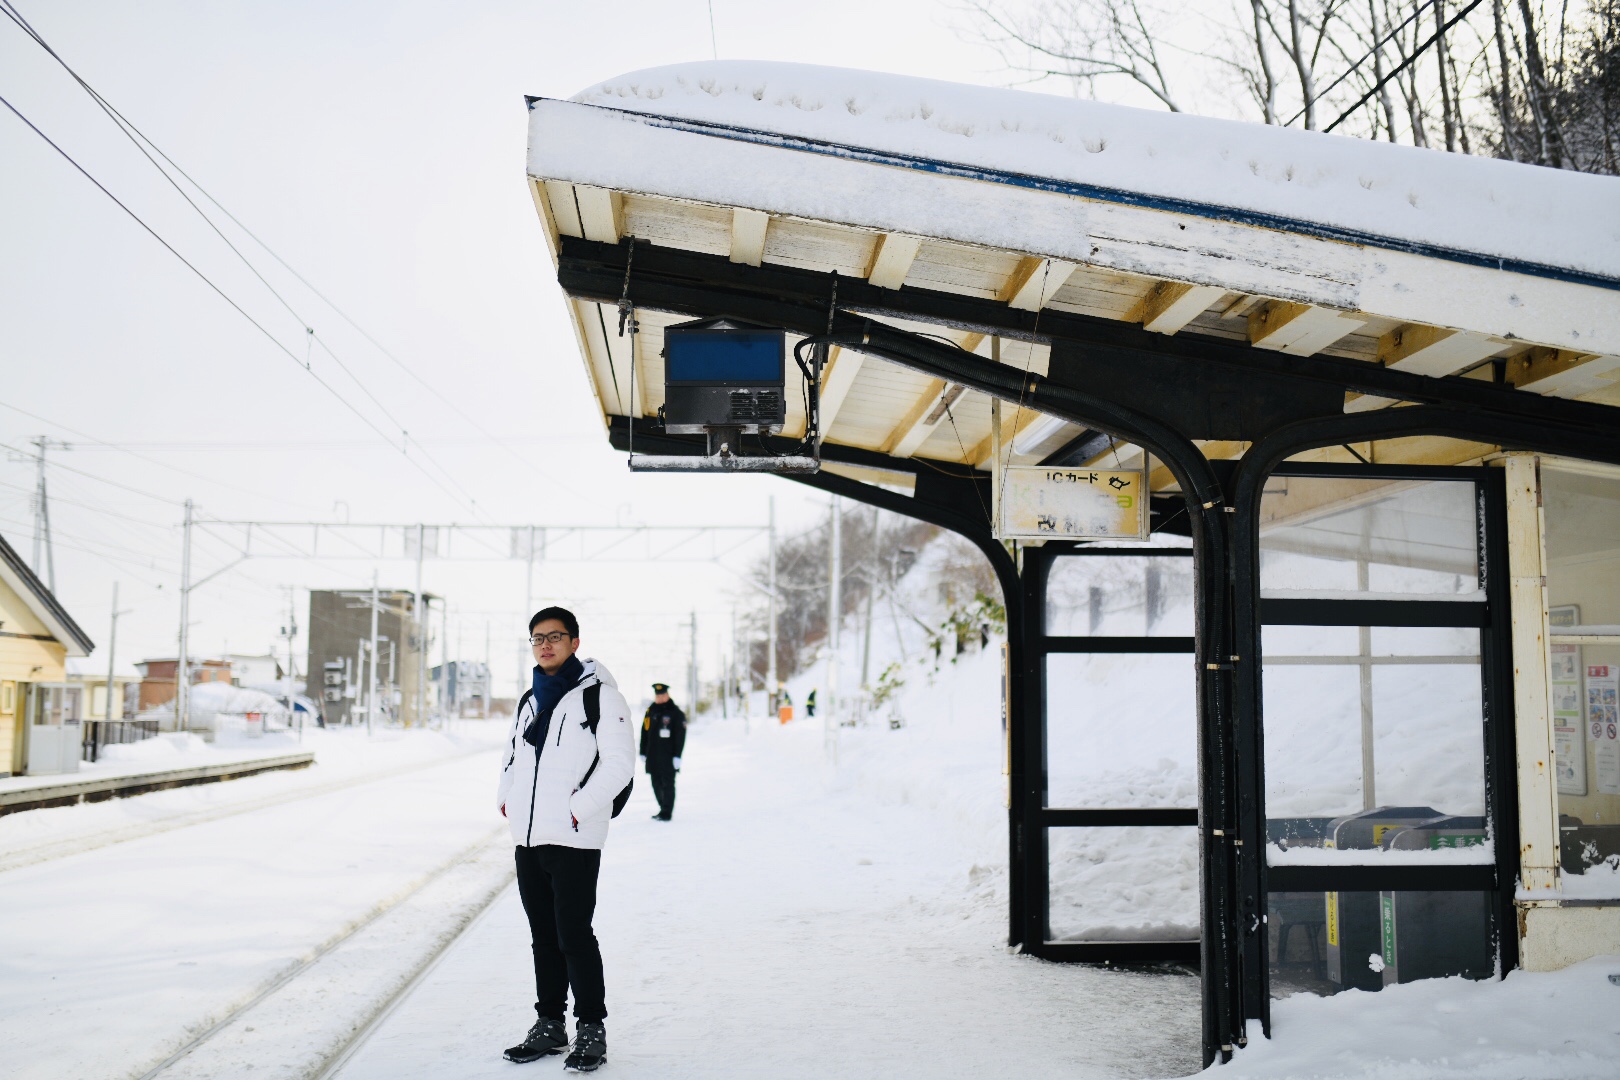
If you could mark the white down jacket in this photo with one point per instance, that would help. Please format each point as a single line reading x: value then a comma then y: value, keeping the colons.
x: 540, y: 789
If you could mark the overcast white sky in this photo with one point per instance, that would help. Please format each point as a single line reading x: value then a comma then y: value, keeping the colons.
x: 379, y: 148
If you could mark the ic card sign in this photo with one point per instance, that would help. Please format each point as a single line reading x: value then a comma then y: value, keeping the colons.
x: 1039, y: 502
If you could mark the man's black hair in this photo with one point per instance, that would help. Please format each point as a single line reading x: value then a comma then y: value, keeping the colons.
x: 562, y: 615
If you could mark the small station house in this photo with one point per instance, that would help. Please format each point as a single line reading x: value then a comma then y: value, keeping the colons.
x: 1359, y: 664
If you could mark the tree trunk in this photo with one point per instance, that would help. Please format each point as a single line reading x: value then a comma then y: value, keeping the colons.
x: 1447, y: 105
x: 1269, y: 104
x: 1552, y: 142
x: 1302, y: 63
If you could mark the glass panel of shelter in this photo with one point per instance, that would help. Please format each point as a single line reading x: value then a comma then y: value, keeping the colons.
x: 1120, y: 735
x: 1374, y: 693
x: 1581, y: 512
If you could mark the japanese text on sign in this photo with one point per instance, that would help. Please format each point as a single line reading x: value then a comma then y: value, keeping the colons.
x: 1046, y: 503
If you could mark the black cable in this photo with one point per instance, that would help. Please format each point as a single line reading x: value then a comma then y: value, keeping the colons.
x: 1402, y: 66
x: 210, y: 283
x: 1322, y: 93
x: 130, y: 131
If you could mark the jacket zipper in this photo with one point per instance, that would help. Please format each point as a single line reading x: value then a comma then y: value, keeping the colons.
x: 534, y: 785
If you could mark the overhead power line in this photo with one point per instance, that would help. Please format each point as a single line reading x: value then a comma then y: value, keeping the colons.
x: 113, y: 114
x: 127, y: 449
x: 139, y: 137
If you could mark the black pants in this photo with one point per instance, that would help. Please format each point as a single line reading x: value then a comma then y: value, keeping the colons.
x: 663, y: 785
x: 558, y: 887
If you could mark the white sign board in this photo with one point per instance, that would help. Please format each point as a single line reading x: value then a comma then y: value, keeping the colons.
x: 1041, y: 502
x: 1603, y: 722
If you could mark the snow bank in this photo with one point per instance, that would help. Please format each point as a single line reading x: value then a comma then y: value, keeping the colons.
x: 1530, y: 1024
x: 160, y: 749
x: 1405, y: 195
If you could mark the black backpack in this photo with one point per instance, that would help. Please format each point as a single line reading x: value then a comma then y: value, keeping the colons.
x: 593, y: 716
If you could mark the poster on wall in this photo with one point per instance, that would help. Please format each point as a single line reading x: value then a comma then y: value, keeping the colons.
x: 1569, y: 732
x: 1603, y: 724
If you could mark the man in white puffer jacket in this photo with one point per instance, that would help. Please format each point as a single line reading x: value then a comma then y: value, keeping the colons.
x: 558, y: 783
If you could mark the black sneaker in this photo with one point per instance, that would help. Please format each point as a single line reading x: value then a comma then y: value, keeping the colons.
x: 590, y: 1049
x: 548, y: 1036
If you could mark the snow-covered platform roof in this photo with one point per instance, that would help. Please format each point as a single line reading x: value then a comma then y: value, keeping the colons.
x: 1284, y: 240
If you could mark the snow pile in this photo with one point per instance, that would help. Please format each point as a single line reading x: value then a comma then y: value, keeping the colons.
x: 158, y: 750
x: 1530, y: 1024
x: 1403, y: 193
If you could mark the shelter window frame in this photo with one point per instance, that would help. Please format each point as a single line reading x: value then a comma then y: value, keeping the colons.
x: 1040, y: 814
x: 1488, y: 615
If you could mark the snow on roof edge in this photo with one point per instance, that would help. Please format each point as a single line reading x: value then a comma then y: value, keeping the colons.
x: 1546, y: 222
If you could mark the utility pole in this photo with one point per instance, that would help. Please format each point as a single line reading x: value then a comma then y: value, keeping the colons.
x: 488, y: 674
x: 835, y: 574
x: 525, y: 663
x: 692, y: 670
x: 871, y: 588
x: 371, y: 687
x: 421, y: 634
x: 290, y: 632
x: 112, y: 646
x: 444, y: 660
x: 43, y: 548
x: 182, y: 679
x: 772, y: 690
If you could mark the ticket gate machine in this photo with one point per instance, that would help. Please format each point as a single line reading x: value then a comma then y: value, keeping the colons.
x: 1354, y: 926
x: 1430, y: 935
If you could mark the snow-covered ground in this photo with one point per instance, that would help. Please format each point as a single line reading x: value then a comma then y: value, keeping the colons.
x: 117, y: 953
x: 798, y: 919
x: 804, y: 915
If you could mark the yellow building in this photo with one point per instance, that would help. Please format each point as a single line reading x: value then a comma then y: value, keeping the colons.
x: 37, y: 635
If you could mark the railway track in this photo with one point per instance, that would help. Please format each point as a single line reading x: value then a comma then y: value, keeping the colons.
x: 62, y: 847
x: 308, y: 1019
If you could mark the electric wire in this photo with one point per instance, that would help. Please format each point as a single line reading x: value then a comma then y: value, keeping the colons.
x: 309, y: 370
x: 204, y: 277
x: 138, y: 137
x: 132, y: 453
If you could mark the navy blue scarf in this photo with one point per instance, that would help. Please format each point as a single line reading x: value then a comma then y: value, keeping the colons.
x: 548, y: 690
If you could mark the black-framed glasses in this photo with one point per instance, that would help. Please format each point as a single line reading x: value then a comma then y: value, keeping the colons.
x: 549, y: 639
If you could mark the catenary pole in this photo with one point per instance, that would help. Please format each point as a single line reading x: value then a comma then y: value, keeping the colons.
x: 43, y: 549
x: 371, y: 686
x: 691, y: 670
x: 112, y: 647
x: 835, y: 575
x: 525, y: 664
x: 773, y: 691
x: 182, y: 680
x: 421, y: 633
x: 292, y: 635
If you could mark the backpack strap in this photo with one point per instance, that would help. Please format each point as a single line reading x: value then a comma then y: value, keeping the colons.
x: 593, y: 717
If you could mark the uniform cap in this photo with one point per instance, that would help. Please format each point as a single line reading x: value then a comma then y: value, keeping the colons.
x: 660, y: 688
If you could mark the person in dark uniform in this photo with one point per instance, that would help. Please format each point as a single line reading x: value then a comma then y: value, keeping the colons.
x: 663, y: 737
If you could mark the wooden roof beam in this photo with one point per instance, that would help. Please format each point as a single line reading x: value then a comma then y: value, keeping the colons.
x: 748, y: 228
x: 892, y: 259
x: 1561, y: 372
x: 1171, y: 305
x: 601, y: 213
x: 922, y: 418
x: 1429, y: 350
x: 1034, y: 282
x: 1298, y: 329
x: 842, y: 367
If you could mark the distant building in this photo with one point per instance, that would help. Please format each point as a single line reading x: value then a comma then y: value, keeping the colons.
x: 338, y: 661
x: 91, y: 677
x: 260, y: 670
x: 37, y: 635
x: 463, y: 687
x: 157, y: 678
